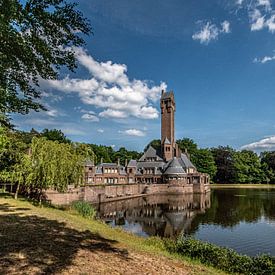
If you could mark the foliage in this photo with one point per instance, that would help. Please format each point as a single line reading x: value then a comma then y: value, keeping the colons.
x: 102, y: 152
x: 223, y: 258
x: 268, y: 164
x: 187, y: 144
x: 107, y: 154
x: 11, y: 152
x: 122, y: 154
x: 248, y: 168
x: 55, y: 135
x: 224, y: 159
x: 84, y: 208
x: 37, y: 38
x: 204, y: 161
x: 54, y: 165
x: 155, y: 143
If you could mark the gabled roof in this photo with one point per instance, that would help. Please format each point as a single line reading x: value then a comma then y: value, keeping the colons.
x: 132, y: 163
x: 106, y: 164
x: 167, y: 141
x: 150, y: 153
x: 185, y: 161
x: 174, y: 168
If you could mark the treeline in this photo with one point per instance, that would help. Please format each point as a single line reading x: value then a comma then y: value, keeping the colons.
x: 31, y: 162
x: 34, y: 160
x: 100, y: 152
x: 226, y: 165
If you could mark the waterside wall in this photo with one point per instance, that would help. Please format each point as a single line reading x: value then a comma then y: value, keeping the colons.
x: 105, y: 193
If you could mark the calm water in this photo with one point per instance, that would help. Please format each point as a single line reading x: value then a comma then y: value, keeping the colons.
x: 243, y: 219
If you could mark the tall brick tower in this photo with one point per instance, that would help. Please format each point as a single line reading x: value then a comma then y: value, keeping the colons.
x: 168, y: 108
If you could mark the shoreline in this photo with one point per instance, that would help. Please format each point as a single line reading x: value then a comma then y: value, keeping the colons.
x: 248, y: 186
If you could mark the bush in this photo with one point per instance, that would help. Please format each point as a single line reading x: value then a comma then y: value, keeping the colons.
x: 223, y: 258
x: 84, y: 209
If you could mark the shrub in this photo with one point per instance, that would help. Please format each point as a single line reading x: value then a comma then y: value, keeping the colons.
x: 223, y: 258
x: 84, y: 209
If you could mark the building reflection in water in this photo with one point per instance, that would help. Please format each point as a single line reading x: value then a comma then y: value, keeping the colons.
x: 155, y: 215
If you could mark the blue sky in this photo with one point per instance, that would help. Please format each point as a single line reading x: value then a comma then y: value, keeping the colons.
x: 217, y: 56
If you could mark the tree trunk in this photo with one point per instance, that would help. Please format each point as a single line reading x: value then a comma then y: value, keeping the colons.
x: 17, y: 190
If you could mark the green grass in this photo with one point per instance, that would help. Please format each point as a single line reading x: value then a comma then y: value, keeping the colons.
x: 84, y: 208
x: 26, y: 223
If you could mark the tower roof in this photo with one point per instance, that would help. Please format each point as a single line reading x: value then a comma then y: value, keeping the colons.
x: 167, y: 141
x: 174, y: 168
x: 167, y: 95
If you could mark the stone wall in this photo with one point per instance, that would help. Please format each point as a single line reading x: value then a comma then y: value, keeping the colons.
x: 104, y: 193
x: 95, y: 193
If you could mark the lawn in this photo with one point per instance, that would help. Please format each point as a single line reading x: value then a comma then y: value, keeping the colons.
x: 45, y: 240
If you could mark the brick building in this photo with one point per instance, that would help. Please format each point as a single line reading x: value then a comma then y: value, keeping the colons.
x: 165, y: 165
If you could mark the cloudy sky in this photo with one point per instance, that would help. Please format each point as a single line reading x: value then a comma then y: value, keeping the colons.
x: 218, y: 56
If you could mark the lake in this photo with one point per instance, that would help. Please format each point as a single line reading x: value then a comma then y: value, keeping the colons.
x: 242, y: 219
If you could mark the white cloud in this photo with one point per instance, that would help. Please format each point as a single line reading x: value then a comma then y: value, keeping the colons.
x: 90, y: 117
x: 109, y: 113
x: 51, y: 96
x: 270, y: 23
x: 239, y: 2
x: 133, y: 132
x: 52, y: 113
x: 261, y: 15
x: 110, y: 89
x: 100, y: 131
x: 225, y: 27
x: 264, y: 3
x: 264, y: 59
x: 210, y: 32
x: 261, y: 145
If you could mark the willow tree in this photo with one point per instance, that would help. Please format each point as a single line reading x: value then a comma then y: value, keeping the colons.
x: 54, y: 165
x: 12, y: 151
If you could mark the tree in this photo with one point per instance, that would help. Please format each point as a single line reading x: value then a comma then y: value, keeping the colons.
x: 268, y: 164
x: 189, y: 145
x: 248, y: 168
x: 12, y: 151
x: 155, y: 143
x: 54, y: 165
x: 55, y: 135
x: 224, y: 159
x: 204, y: 162
x: 123, y: 154
x: 37, y: 38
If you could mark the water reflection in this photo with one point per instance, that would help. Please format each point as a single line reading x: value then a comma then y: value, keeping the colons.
x: 156, y: 215
x: 243, y: 219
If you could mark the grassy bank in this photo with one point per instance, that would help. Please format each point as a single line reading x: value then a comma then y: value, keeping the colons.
x: 250, y: 186
x: 48, y: 240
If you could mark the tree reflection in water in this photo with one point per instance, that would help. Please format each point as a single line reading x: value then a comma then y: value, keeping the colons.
x: 243, y: 219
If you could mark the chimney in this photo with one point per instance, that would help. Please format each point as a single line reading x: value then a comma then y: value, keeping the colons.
x: 162, y: 92
x: 118, y: 162
x: 101, y: 160
x: 126, y: 162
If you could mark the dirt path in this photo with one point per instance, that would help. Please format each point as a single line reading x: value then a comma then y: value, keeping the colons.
x: 34, y: 241
x: 135, y: 263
